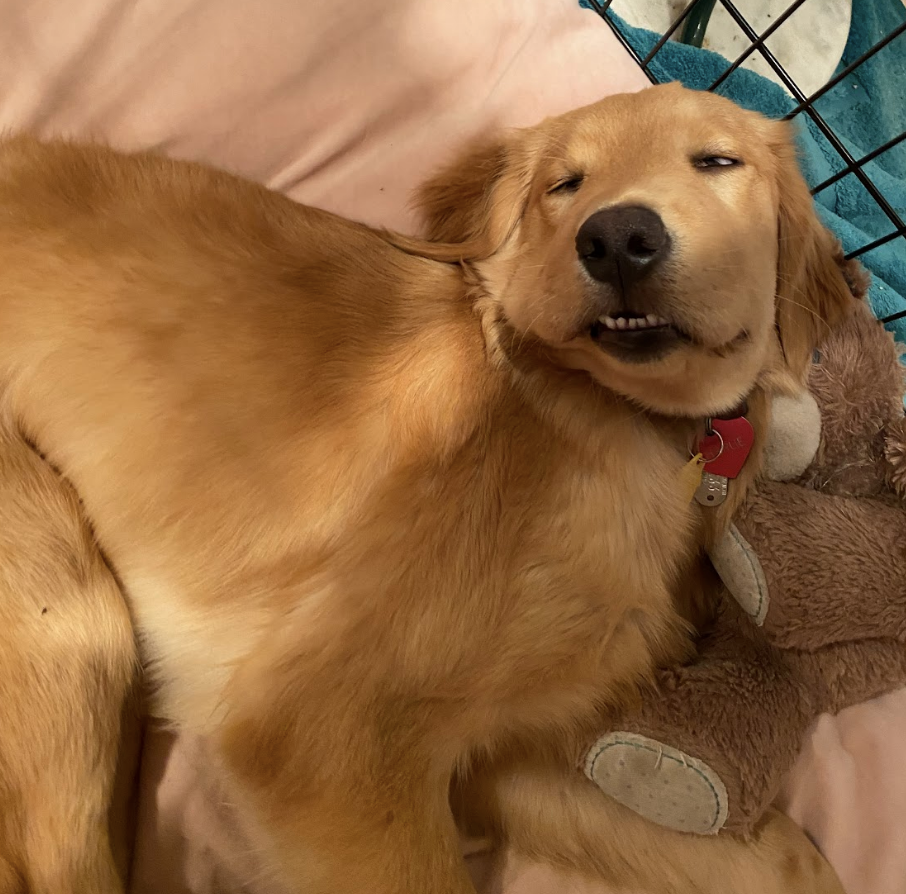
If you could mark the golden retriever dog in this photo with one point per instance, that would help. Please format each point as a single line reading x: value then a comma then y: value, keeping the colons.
x: 399, y: 518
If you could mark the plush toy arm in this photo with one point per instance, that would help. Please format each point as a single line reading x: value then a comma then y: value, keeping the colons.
x: 817, y: 569
x: 709, y: 750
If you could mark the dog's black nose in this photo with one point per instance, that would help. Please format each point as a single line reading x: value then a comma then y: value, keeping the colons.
x: 620, y: 245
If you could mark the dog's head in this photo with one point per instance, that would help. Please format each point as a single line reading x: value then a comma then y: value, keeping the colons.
x: 664, y: 242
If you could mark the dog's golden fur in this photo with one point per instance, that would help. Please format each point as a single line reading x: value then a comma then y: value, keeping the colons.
x: 382, y: 510
x: 67, y: 662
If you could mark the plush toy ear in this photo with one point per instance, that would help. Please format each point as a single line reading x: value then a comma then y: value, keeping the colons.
x: 813, y: 292
x: 476, y: 202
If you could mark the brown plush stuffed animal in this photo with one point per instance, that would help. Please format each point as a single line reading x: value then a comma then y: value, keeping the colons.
x: 819, y: 564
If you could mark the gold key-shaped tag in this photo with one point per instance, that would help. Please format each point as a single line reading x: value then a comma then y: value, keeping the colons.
x: 712, y: 491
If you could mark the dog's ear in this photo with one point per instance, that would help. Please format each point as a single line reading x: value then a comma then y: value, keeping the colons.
x: 475, y: 203
x: 816, y: 286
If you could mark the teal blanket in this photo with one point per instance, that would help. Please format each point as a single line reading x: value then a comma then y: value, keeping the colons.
x: 866, y: 109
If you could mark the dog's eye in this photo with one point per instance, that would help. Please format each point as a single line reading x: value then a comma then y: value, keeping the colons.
x: 568, y: 184
x: 716, y: 161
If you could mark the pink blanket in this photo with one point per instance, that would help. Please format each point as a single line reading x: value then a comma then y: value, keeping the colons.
x: 348, y: 107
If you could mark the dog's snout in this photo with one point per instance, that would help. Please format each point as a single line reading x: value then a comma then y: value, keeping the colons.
x: 621, y: 244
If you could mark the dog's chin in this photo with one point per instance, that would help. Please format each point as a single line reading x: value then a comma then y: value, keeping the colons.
x: 668, y: 375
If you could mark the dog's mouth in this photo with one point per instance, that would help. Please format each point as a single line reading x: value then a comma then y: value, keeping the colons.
x: 637, y: 338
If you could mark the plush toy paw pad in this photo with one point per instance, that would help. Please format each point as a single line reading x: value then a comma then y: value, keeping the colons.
x: 661, y: 783
x: 738, y: 567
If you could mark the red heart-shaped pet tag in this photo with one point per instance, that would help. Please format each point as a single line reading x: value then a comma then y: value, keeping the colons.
x: 728, y: 446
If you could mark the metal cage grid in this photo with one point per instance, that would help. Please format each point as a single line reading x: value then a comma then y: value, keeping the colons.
x: 693, y: 20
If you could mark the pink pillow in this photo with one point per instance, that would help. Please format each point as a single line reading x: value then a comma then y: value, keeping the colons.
x: 346, y: 106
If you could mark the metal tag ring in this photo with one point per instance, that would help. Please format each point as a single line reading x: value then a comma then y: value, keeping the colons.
x: 711, y: 459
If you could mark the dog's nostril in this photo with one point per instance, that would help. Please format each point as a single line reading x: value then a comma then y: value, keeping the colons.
x: 593, y: 248
x: 639, y: 245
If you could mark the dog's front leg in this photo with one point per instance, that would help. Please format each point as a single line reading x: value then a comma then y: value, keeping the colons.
x: 349, y: 791
x: 547, y: 811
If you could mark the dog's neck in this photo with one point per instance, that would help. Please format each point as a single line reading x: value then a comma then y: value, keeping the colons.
x: 578, y: 408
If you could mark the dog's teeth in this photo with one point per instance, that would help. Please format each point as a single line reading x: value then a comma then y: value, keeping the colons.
x: 621, y: 324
